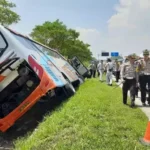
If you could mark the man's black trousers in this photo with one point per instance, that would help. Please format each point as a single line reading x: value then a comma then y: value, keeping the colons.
x: 144, y: 81
x: 117, y: 74
x: 129, y: 84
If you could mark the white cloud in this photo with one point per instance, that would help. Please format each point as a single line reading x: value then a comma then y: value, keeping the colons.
x: 131, y: 15
x: 94, y: 33
x: 90, y: 36
x: 128, y: 29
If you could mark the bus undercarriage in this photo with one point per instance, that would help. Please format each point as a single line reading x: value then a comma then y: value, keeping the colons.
x: 25, y: 81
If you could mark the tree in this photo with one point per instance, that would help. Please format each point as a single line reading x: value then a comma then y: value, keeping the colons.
x: 78, y: 49
x: 7, y: 16
x: 57, y: 36
x: 52, y: 34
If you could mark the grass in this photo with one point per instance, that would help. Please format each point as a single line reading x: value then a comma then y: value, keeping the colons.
x: 93, y: 119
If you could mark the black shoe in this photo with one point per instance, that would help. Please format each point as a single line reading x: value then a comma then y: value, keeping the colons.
x: 110, y: 84
x: 143, y: 104
x: 132, y: 104
x: 125, y: 103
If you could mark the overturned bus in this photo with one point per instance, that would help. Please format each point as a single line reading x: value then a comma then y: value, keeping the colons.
x: 28, y: 72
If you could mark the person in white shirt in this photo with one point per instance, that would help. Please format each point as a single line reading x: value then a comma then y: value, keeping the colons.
x: 129, y: 78
x: 100, y: 68
x: 144, y: 77
x: 93, y: 69
x: 109, y: 71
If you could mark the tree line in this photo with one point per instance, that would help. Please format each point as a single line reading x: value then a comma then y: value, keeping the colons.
x: 53, y: 34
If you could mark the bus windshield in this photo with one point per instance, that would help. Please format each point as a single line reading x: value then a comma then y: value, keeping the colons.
x: 28, y: 43
x: 47, y: 50
x: 25, y: 42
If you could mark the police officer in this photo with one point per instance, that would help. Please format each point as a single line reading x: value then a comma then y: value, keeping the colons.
x: 117, y: 71
x: 129, y: 79
x: 100, y: 68
x: 138, y: 74
x: 144, y: 78
x: 109, y: 69
x: 93, y: 69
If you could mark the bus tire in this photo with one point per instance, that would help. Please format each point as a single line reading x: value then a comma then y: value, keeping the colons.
x: 23, y: 71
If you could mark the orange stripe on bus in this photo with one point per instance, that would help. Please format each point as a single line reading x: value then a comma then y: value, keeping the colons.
x: 45, y: 85
x: 1, y: 78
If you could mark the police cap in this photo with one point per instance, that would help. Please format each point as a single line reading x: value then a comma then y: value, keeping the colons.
x: 146, y: 52
x: 133, y: 56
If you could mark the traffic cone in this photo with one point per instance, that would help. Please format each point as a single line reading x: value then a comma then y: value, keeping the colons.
x: 146, y: 139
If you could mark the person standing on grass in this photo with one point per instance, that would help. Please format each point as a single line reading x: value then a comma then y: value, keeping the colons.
x: 120, y: 67
x: 100, y: 68
x: 98, y: 73
x: 129, y: 78
x: 137, y: 87
x: 109, y: 72
x: 121, y: 64
x: 117, y: 70
x: 144, y: 77
x: 90, y: 69
x: 93, y: 69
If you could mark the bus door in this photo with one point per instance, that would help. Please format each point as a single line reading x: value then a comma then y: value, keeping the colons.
x: 79, y: 67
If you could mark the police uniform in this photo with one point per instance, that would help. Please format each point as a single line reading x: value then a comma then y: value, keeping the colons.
x: 109, y: 69
x: 144, y: 78
x: 138, y: 74
x: 117, y: 71
x: 92, y: 69
x: 129, y: 78
x: 100, y: 69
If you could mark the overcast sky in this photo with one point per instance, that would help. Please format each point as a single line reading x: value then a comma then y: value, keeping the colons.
x: 112, y: 25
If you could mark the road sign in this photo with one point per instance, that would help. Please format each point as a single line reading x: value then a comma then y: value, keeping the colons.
x: 105, y: 54
x: 114, y: 54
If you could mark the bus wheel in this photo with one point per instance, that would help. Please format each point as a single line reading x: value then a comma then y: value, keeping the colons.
x: 23, y: 71
x: 69, y: 89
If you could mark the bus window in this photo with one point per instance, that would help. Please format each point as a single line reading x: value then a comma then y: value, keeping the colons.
x: 25, y: 42
x: 48, y: 51
x: 2, y: 43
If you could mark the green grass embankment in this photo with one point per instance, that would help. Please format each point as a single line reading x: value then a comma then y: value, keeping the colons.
x: 93, y: 119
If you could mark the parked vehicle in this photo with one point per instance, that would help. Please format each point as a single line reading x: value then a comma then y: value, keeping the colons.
x: 28, y: 72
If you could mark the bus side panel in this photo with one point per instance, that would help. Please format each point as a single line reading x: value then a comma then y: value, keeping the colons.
x: 65, y: 68
x: 54, y: 74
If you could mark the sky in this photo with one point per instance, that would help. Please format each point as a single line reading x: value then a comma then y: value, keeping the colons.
x: 107, y: 25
